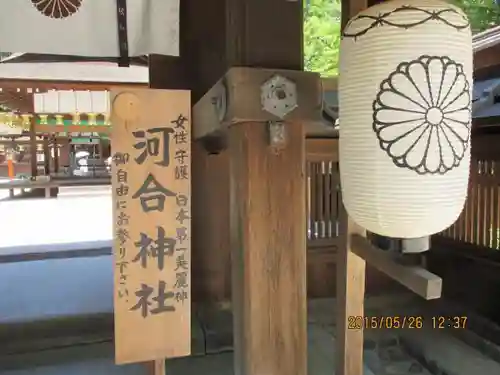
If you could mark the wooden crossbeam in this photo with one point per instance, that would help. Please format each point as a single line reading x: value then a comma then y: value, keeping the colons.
x: 417, y: 279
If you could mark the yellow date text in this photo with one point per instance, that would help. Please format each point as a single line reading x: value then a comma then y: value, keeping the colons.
x: 385, y: 322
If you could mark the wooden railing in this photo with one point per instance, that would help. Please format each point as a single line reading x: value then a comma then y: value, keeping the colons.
x: 322, y: 193
x: 479, y: 223
x: 324, y: 204
x: 322, y: 221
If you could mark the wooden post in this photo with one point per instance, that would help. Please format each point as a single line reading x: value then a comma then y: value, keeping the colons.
x: 33, y: 148
x: 268, y: 243
x: 156, y: 367
x: 268, y: 234
x: 65, y: 152
x: 351, y: 271
x: 56, y: 154
x: 10, y: 168
x: 350, y: 301
x: 267, y: 211
x: 11, y: 173
x: 46, y: 155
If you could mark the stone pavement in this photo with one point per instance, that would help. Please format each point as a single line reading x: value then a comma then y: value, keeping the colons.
x: 79, y: 218
x: 97, y: 360
x: 387, y: 352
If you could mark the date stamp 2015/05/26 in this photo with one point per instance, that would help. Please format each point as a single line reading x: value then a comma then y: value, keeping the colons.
x: 405, y: 322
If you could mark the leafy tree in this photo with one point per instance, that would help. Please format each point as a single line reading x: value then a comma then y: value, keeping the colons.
x: 322, y: 36
x: 322, y: 29
x: 483, y: 14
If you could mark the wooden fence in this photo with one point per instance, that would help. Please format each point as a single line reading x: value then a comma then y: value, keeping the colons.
x: 322, y: 194
x: 324, y: 204
x: 466, y: 255
x: 479, y: 223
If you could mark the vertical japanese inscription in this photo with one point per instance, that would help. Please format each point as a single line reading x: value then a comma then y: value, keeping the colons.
x: 120, y: 161
x: 151, y: 187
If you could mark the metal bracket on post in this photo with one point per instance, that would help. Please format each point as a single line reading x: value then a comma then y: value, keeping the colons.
x: 277, y: 134
x: 278, y: 96
x: 255, y: 95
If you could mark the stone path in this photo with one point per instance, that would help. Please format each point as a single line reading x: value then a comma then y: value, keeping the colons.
x: 75, y: 220
x: 387, y: 352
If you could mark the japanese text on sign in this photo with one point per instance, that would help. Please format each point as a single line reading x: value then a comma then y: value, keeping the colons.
x: 152, y: 216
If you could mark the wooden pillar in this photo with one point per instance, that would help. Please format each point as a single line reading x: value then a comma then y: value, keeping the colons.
x: 33, y: 149
x: 268, y: 243
x: 55, y: 148
x: 350, y: 301
x: 46, y: 156
x: 350, y: 271
x: 267, y: 211
x: 65, y: 150
x: 268, y: 235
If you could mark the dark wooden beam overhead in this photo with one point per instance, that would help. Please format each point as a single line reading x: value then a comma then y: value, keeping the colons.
x: 487, y: 63
x: 487, y: 58
x: 219, y: 34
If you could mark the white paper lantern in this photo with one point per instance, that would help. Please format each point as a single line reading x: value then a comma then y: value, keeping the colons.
x: 405, y: 90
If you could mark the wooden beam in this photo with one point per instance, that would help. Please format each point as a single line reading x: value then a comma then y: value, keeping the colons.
x: 487, y: 58
x: 319, y: 150
x: 237, y: 86
x: 417, y: 279
x: 268, y: 244
x: 240, y: 90
x: 485, y: 146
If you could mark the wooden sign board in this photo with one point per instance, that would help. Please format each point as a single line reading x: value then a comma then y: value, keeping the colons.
x: 151, y: 179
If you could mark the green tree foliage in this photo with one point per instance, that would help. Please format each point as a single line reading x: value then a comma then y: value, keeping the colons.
x: 322, y: 36
x: 322, y: 29
x: 483, y: 14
